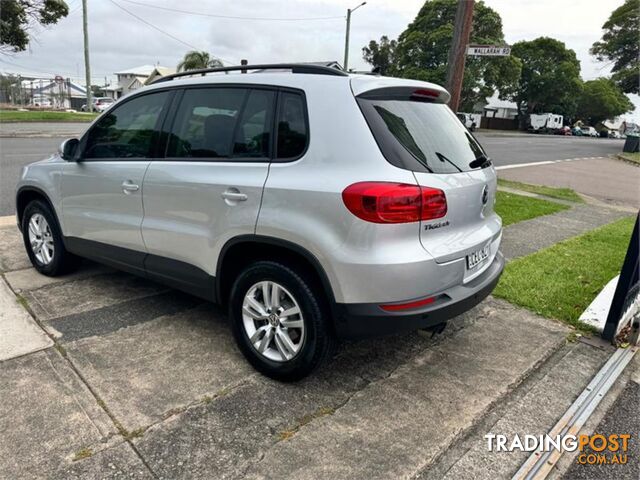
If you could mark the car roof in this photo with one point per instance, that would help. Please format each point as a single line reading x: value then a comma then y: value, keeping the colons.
x: 358, y: 83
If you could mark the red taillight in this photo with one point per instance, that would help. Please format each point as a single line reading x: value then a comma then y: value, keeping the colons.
x: 394, y: 307
x: 385, y: 202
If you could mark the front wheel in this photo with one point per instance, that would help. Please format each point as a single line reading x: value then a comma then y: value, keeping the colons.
x: 279, y: 321
x: 43, y: 240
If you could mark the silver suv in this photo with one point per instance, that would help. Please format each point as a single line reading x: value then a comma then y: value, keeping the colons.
x: 314, y: 204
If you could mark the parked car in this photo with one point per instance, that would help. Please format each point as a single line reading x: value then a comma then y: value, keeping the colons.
x: 563, y: 131
x: 467, y: 120
x: 41, y: 101
x: 614, y: 134
x: 307, y: 229
x: 590, y: 132
x: 100, y: 104
x: 577, y: 131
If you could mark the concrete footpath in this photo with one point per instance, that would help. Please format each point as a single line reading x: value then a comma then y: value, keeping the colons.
x: 146, y: 382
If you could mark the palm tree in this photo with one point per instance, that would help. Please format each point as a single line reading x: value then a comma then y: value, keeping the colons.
x: 195, y: 60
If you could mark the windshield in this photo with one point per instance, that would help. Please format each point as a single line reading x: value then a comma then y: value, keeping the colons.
x: 429, y: 132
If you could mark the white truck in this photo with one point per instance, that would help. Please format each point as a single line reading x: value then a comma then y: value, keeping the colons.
x: 545, y: 122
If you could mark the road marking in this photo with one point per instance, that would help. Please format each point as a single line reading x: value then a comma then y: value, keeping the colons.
x: 544, y: 162
x: 8, y: 220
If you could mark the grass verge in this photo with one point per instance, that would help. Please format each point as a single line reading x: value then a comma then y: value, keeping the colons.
x: 630, y: 157
x: 44, y: 116
x: 553, y: 192
x: 516, y: 208
x: 562, y: 280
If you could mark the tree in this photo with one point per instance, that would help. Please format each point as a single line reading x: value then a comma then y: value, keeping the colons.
x: 620, y: 45
x: 602, y: 99
x: 381, y: 55
x: 194, y: 60
x: 422, y: 51
x: 549, y: 81
x: 16, y: 17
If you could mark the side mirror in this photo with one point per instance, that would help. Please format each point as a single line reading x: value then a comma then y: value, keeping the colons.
x: 68, y: 148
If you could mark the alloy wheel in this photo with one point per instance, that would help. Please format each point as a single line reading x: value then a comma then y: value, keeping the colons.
x: 273, y: 321
x: 41, y: 239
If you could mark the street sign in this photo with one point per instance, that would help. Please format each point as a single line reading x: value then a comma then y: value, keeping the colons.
x: 489, y: 50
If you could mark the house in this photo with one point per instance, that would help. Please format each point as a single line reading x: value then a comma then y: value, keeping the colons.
x: 54, y: 92
x: 496, y: 108
x: 159, y: 72
x: 132, y: 79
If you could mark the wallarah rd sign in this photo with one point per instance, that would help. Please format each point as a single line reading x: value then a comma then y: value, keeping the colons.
x: 489, y: 50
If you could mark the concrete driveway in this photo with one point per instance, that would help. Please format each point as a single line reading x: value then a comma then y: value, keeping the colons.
x: 146, y: 382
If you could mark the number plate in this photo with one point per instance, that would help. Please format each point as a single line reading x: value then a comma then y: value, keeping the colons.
x: 476, y: 258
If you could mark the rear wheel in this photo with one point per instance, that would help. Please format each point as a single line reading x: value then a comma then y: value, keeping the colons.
x: 279, y: 321
x: 43, y: 240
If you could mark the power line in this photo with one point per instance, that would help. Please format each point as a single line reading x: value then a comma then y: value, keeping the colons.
x: 193, y: 47
x: 231, y: 17
x: 153, y: 26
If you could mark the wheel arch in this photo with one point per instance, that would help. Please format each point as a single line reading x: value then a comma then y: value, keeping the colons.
x: 27, y: 194
x: 238, y: 252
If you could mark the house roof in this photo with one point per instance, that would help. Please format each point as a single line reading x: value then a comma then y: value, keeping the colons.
x: 159, y: 72
x: 141, y: 71
x: 138, y: 79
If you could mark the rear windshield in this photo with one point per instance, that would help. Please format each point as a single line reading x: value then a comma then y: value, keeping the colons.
x: 421, y: 136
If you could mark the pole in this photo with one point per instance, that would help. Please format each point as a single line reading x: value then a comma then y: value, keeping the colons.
x: 457, y: 52
x: 346, y: 42
x: 87, y: 68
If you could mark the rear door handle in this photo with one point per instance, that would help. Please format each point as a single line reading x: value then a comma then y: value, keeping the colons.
x: 234, y: 196
x: 129, y: 187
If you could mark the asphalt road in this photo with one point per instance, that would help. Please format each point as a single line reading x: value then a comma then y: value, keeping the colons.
x: 525, y: 148
x: 32, y: 142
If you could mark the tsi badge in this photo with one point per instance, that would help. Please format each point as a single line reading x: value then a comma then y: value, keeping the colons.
x: 433, y: 226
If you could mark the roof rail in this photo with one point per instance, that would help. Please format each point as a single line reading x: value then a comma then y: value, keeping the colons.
x: 294, y: 67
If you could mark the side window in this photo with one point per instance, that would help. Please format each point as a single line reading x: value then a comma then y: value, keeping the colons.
x: 126, y: 131
x: 205, y: 122
x: 253, y: 133
x: 292, y: 125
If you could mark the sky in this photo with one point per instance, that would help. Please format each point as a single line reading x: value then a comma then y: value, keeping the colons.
x: 306, y: 30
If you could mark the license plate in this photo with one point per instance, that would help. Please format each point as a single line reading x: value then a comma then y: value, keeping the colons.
x: 476, y: 258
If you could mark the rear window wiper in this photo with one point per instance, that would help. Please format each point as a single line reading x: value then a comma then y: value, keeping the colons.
x: 482, y: 161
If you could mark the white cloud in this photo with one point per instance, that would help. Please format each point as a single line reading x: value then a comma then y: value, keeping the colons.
x: 119, y: 41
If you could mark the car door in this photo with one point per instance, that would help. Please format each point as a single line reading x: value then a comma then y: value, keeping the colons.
x: 209, y: 187
x: 102, y: 188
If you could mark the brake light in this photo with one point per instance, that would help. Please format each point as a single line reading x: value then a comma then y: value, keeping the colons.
x: 386, y: 202
x: 425, y: 93
x: 395, y: 307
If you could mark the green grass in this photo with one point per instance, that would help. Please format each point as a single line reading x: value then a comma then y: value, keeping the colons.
x: 561, y: 281
x: 516, y: 208
x: 553, y: 192
x: 631, y: 157
x: 44, y: 116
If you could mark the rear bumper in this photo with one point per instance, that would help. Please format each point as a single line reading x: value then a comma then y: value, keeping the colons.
x: 363, y: 320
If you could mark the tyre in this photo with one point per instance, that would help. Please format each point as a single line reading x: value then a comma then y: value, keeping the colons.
x: 43, y: 240
x: 279, y: 321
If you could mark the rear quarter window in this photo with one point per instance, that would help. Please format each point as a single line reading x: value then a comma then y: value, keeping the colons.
x: 293, y: 130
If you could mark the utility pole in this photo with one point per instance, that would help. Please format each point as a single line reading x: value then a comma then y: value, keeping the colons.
x: 346, y: 37
x: 87, y: 68
x: 458, y: 51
